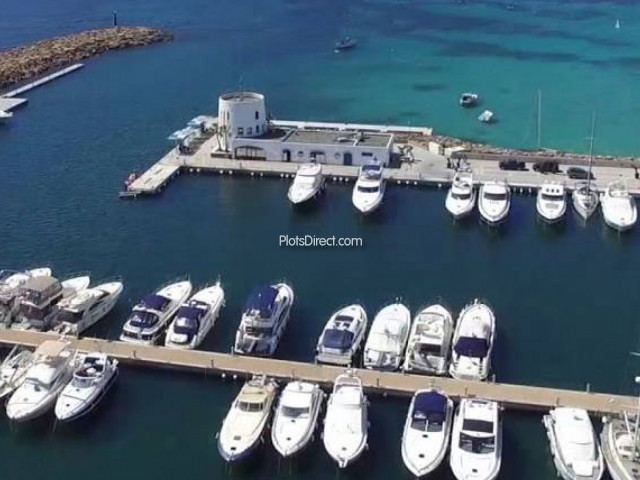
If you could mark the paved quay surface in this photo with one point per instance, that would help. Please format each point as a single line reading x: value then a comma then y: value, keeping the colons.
x: 519, y: 397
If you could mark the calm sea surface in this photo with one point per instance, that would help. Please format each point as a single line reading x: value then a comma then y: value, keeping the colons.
x: 566, y: 299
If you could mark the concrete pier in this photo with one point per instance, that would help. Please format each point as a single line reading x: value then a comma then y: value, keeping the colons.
x: 519, y: 397
x: 423, y: 169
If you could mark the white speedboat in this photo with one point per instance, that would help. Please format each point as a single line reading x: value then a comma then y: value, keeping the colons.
x: 264, y: 320
x: 38, y: 297
x: 52, y: 367
x: 13, y: 369
x: 494, y: 202
x: 195, y: 318
x: 573, y: 443
x: 75, y: 314
x: 620, y: 447
x: 461, y: 197
x: 585, y: 200
x: 148, y: 318
x: 551, y: 202
x: 342, y: 336
x: 11, y: 282
x: 486, y: 116
x: 618, y: 207
x: 473, y: 341
x: 387, y: 338
x: 368, y: 191
x: 427, y: 431
x: 296, y: 417
x: 247, y: 419
x: 346, y: 426
x: 90, y: 382
x: 429, y: 345
x: 476, y: 440
x: 307, y: 184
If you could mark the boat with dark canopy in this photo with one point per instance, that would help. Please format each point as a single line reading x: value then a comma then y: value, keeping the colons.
x: 342, y: 336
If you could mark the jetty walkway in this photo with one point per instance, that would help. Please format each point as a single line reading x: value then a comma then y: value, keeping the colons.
x: 518, y: 397
x: 423, y: 169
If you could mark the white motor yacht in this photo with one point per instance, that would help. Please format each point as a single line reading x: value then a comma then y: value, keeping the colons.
x: 387, y: 338
x: 75, y: 314
x: 11, y: 282
x: 307, y: 184
x: 620, y: 447
x: 264, y: 320
x: 296, y: 417
x: 342, y: 336
x: 52, y: 367
x: 38, y: 297
x: 476, y: 440
x: 247, y: 419
x: 90, y: 382
x: 368, y: 191
x: 585, y: 200
x: 346, y: 426
x: 148, y: 318
x: 494, y: 202
x: 429, y: 345
x: 618, y: 207
x: 13, y: 369
x: 427, y: 431
x: 573, y: 443
x: 195, y: 318
x: 461, y: 197
x: 473, y: 341
x: 551, y: 202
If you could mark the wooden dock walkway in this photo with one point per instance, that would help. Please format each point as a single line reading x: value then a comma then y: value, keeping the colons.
x: 426, y: 169
x: 518, y: 397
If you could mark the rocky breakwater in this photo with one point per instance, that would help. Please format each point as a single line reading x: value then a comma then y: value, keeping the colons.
x: 31, y: 61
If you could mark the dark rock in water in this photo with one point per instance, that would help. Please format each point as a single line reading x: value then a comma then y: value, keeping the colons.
x: 30, y: 61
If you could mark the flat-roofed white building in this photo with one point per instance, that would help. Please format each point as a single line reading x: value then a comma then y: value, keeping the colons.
x: 248, y: 134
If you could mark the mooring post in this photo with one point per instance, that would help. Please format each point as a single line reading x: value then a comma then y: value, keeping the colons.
x: 115, y: 19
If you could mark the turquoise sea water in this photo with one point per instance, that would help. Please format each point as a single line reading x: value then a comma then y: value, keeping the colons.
x: 565, y: 299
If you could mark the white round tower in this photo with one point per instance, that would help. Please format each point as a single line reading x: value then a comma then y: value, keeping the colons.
x: 243, y: 114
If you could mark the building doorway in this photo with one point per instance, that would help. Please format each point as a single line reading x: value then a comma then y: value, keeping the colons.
x: 347, y: 158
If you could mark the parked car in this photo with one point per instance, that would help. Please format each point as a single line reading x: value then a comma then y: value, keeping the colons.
x: 512, y: 164
x: 578, y: 173
x: 546, y: 166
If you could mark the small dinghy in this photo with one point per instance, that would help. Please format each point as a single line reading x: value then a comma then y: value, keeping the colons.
x: 346, y: 425
x: 89, y: 384
x: 486, y: 117
x: 469, y: 99
x: 388, y: 338
x: 429, y: 343
x: 342, y: 336
x: 13, y: 370
x: 244, y: 425
x: 347, y: 43
x: 427, y: 431
x: 573, y: 443
x: 473, y: 342
x: 296, y: 417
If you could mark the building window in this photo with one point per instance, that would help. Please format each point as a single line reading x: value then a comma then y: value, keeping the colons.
x: 317, y: 156
x: 367, y: 154
x: 257, y: 129
x: 300, y: 154
x: 241, y: 132
x: 249, y: 131
x: 286, y: 155
x: 257, y: 115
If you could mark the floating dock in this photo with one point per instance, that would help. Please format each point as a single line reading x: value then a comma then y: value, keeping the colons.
x: 422, y: 169
x: 517, y: 397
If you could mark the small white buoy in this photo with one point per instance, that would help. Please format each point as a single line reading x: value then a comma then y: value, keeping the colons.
x: 252, y: 174
x: 221, y: 172
x: 415, y: 183
x: 223, y: 375
x: 261, y: 174
x: 334, y: 179
x: 406, y: 182
x: 230, y: 172
x: 439, y: 185
x: 198, y: 170
x: 235, y: 376
x: 281, y: 175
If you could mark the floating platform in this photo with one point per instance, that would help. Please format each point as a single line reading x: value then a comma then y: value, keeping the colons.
x: 518, y: 397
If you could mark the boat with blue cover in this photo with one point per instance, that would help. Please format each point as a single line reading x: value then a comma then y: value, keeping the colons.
x: 149, y: 318
x: 342, y: 336
x: 264, y: 320
x: 427, y: 431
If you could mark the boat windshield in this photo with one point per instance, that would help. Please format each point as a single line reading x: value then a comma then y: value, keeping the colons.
x: 68, y: 317
x: 461, y: 196
x: 498, y: 197
x: 303, y: 180
x: 552, y: 197
x: 258, y: 331
x: 295, y: 412
x: 427, y: 348
x: 31, y: 312
x: 480, y: 445
x: 37, y: 384
x: 374, y: 189
x: 143, y: 319
x: 81, y: 382
x: 431, y: 422
x: 250, y: 406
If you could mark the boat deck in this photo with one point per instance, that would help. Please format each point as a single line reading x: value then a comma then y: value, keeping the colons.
x: 425, y: 169
x: 519, y: 397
